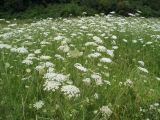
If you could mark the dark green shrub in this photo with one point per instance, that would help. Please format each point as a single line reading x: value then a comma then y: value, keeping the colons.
x: 54, y: 11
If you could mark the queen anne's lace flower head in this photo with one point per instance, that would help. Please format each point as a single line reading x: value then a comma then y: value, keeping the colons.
x: 94, y: 55
x: 70, y: 91
x: 56, y: 77
x: 38, y: 104
x: 28, y: 62
x: 105, y: 60
x: 51, y: 85
x: 80, y: 67
x: 105, y: 111
x: 143, y: 69
x: 97, y: 40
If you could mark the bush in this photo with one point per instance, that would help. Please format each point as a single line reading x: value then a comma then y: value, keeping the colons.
x: 63, y: 8
x: 54, y: 11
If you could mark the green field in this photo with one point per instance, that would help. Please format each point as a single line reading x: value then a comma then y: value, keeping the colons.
x: 85, y: 68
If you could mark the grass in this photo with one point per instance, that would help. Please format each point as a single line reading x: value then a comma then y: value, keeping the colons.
x: 126, y: 88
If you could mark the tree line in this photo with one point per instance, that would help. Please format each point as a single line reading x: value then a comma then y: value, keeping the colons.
x: 148, y: 7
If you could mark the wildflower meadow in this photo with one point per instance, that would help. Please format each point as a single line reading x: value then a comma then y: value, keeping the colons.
x: 102, y: 67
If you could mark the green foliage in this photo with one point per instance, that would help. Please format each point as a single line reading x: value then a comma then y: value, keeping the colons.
x: 75, y: 7
x: 54, y: 11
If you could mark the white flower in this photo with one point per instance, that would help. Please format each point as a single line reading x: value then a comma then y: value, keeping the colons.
x: 107, y: 82
x: 110, y: 52
x: 39, y: 67
x: 50, y: 70
x: 105, y: 60
x: 84, y: 27
x: 149, y: 43
x: 38, y: 51
x: 80, y: 67
x: 141, y: 63
x: 5, y: 46
x: 97, y: 39
x: 56, y: 77
x: 94, y: 55
x: 124, y: 40
x: 90, y: 44
x: 99, y: 82
x: 44, y: 57
x: 64, y: 48
x: 59, y: 38
x: 143, y: 69
x: 114, y: 37
x: 38, y: 105
x: 96, y: 76
x: 51, y: 85
x: 98, y: 79
x: 115, y: 47
x: 156, y: 104
x: 59, y: 57
x: 28, y: 62
x: 21, y: 50
x: 28, y: 70
x: 158, y: 78
x: 106, y: 111
x: 101, y: 49
x: 128, y: 83
x: 87, y: 81
x: 96, y: 96
x: 74, y: 53
x: 134, y: 41
x: 31, y: 56
x: 48, y: 64
x: 70, y: 91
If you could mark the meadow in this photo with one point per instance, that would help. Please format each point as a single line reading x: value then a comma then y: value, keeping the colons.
x: 85, y: 68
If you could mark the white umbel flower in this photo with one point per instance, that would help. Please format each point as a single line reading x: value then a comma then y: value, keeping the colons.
x: 110, y: 52
x: 143, y: 69
x: 87, y: 81
x: 64, y: 48
x: 157, y: 78
x: 20, y: 50
x: 90, y: 44
x: 38, y: 104
x: 38, y: 51
x: 5, y: 46
x: 27, y: 61
x: 59, y: 57
x: 114, y: 37
x: 45, y: 57
x: 48, y: 64
x: 51, y: 85
x: 105, y: 60
x: 128, y: 83
x: 59, y: 38
x: 141, y: 63
x: 70, y: 91
x: 98, y: 79
x: 101, y: 49
x: 80, y: 67
x: 39, y: 67
x: 56, y: 77
x: 106, y: 111
x: 94, y: 55
x: 97, y: 40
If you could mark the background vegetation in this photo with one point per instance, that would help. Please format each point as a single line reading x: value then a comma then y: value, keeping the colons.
x: 60, y: 8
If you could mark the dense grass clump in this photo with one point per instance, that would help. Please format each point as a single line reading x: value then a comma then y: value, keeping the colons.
x: 85, y: 68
